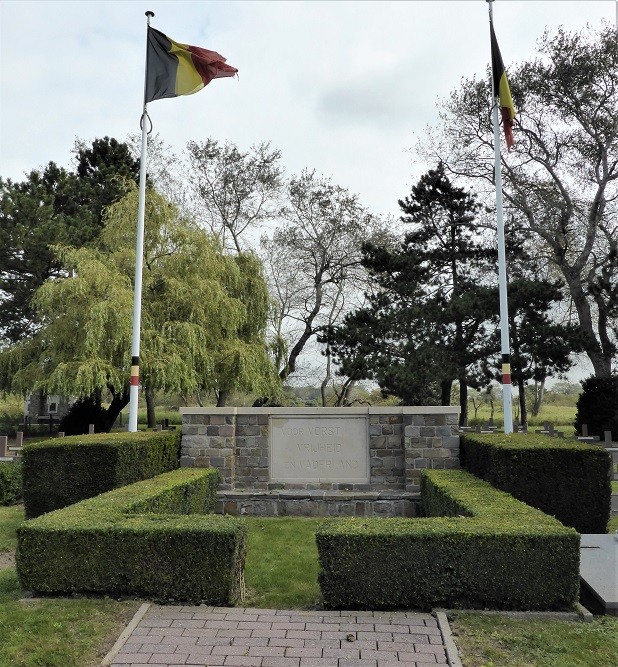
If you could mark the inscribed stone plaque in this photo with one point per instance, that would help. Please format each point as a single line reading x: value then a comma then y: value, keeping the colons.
x: 319, y: 449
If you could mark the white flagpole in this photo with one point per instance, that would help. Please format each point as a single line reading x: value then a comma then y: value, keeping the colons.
x: 139, y: 259
x: 507, y: 390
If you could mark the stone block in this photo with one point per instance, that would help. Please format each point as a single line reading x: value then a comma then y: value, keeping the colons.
x: 414, y: 453
x: 419, y: 464
x: 248, y: 430
x: 246, y: 420
x: 226, y: 431
x: 412, y: 431
x: 377, y: 442
x: 190, y: 429
x: 428, y: 431
x: 435, y: 420
x: 387, y: 430
x: 187, y: 462
x: 436, y: 453
x: 202, y: 462
x: 415, y: 420
x: 375, y: 430
x: 452, y: 442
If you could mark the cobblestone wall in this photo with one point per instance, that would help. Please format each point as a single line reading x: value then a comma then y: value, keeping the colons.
x: 401, y: 442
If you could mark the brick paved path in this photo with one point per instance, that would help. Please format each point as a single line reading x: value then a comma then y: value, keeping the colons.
x: 211, y: 636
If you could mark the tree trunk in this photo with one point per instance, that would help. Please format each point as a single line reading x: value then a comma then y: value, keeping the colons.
x: 327, y: 377
x: 539, y: 390
x: 119, y: 401
x: 463, y: 401
x: 522, y: 401
x: 445, y: 391
x: 151, y: 418
x: 601, y: 358
x: 222, y: 398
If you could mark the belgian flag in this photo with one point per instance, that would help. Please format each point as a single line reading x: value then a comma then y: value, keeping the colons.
x: 174, y: 69
x: 501, y: 89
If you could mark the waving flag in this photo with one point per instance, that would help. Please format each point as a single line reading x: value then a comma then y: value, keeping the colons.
x: 501, y: 89
x: 174, y: 69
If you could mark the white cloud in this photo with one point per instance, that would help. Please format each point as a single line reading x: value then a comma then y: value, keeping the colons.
x: 341, y: 87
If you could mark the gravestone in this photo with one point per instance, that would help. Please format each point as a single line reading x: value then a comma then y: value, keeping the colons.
x: 599, y: 573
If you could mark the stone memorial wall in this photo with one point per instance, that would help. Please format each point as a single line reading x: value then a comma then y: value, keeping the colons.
x: 320, y: 461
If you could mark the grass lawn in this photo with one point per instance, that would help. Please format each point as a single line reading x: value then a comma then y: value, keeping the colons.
x: 54, y: 632
x: 282, y: 563
x: 499, y: 641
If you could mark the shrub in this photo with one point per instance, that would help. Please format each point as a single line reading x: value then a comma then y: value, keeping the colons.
x: 489, y: 551
x: 567, y: 480
x: 597, y: 406
x: 10, y: 482
x: 150, y: 539
x: 63, y: 471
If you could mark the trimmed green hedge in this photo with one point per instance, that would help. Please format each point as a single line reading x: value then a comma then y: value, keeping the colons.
x: 567, y: 480
x: 10, y: 482
x: 490, y: 551
x: 149, y: 539
x: 63, y: 471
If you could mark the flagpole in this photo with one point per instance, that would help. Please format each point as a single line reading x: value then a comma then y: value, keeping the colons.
x: 139, y: 260
x: 507, y: 390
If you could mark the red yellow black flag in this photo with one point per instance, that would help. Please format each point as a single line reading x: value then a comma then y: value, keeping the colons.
x: 174, y: 69
x: 501, y: 88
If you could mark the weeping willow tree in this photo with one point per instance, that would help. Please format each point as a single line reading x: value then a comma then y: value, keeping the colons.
x: 204, y: 315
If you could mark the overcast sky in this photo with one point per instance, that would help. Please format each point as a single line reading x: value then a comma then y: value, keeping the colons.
x: 340, y: 87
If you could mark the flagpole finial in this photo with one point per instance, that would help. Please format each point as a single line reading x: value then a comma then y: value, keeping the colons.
x: 150, y: 14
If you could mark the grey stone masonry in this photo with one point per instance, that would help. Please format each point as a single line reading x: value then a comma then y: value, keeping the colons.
x: 320, y: 453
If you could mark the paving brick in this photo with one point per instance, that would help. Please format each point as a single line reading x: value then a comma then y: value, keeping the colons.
x: 129, y: 658
x: 235, y: 633
x: 155, y: 623
x: 164, y: 659
x: 222, y: 625
x: 357, y: 663
x: 288, y: 625
x: 286, y: 641
x: 188, y: 623
x: 349, y: 653
x: 230, y: 650
x: 243, y: 661
x: 269, y: 633
x: 426, y: 648
x: 305, y: 634
x: 305, y: 652
x: 213, y: 660
x: 250, y: 641
x: 281, y: 662
x: 269, y: 651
